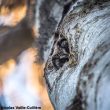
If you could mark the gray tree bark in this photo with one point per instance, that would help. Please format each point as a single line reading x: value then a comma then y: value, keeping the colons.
x: 78, y: 67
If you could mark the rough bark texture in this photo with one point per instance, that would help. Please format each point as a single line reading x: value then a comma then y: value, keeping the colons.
x: 78, y: 67
x: 50, y: 14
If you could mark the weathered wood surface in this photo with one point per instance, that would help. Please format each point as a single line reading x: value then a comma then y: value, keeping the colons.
x: 50, y: 14
x: 78, y: 67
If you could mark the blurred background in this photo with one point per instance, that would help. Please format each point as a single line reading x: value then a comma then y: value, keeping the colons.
x: 21, y: 62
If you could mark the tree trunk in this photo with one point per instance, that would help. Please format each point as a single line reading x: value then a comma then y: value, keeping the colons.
x: 78, y: 67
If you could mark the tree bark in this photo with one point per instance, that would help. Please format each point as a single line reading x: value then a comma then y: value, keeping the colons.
x: 50, y: 14
x: 78, y: 67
